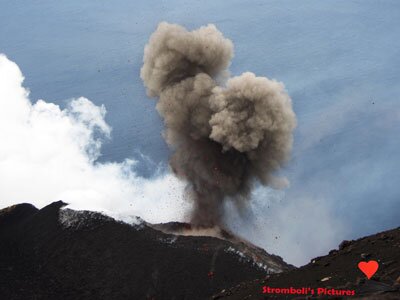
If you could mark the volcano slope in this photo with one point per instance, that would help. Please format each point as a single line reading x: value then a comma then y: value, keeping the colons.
x: 56, y: 253
x: 337, y: 270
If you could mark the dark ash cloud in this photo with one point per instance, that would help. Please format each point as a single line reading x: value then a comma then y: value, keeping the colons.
x: 223, y: 138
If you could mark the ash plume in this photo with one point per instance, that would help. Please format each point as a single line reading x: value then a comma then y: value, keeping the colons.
x: 224, y: 138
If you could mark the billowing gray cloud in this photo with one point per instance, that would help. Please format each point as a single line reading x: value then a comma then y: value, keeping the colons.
x: 223, y: 137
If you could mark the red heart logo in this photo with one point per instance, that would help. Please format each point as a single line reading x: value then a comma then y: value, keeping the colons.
x: 368, y: 268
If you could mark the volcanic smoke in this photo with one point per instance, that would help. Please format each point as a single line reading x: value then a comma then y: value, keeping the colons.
x: 223, y: 138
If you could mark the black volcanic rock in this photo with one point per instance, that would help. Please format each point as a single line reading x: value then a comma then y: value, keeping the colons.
x: 336, y: 270
x: 270, y: 262
x: 56, y: 253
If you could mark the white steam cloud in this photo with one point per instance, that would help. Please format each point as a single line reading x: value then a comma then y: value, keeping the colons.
x: 49, y: 154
